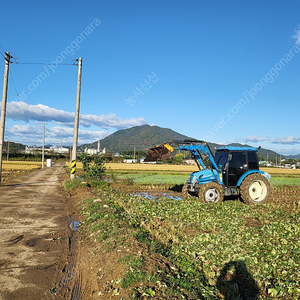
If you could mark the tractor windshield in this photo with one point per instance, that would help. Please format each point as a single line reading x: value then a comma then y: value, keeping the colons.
x: 221, y: 157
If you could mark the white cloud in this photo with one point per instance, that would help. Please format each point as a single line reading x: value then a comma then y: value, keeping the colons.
x: 30, y: 135
x: 288, y: 140
x: 43, y: 113
x: 256, y: 139
x: 296, y: 36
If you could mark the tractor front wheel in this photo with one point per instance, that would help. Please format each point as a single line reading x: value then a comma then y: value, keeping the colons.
x: 255, y: 189
x: 211, y: 193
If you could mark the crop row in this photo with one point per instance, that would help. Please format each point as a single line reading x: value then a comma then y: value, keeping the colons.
x: 260, y: 243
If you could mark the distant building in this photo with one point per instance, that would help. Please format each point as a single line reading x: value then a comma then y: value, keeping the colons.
x: 129, y: 161
x: 32, y: 149
x: 265, y: 163
x: 189, y: 161
x: 57, y: 150
x: 60, y: 150
x: 94, y: 151
x: 90, y: 151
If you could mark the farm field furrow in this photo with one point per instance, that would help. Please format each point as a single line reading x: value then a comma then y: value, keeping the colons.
x: 242, y: 251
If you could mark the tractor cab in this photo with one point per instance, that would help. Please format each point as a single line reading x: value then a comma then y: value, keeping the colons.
x: 235, y: 162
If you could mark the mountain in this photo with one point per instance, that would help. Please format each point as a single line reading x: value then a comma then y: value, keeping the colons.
x: 266, y: 153
x: 140, y: 137
x: 297, y: 156
x: 13, y: 146
x: 146, y: 136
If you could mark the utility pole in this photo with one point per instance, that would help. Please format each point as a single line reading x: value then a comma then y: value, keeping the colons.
x: 61, y: 142
x: 7, y: 155
x: 280, y: 160
x: 43, y: 150
x: 3, y: 108
x: 76, y: 123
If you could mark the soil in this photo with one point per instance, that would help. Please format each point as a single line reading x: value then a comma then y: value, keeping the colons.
x: 35, y: 234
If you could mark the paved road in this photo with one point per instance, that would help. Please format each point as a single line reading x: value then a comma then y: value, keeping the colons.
x: 34, y: 235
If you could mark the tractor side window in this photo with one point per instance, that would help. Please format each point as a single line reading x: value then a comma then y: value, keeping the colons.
x: 238, y: 159
x: 252, y: 160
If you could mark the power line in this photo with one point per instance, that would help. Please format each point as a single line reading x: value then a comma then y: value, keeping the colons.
x: 41, y: 63
x: 21, y: 104
x: 33, y: 63
x: 3, y: 51
x: 12, y: 79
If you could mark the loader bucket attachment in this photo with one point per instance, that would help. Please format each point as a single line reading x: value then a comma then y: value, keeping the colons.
x: 160, y: 152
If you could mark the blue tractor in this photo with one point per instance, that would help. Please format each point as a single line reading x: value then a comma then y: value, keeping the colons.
x: 232, y: 171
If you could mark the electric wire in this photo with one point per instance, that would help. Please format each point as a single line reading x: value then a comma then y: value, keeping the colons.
x: 14, y: 85
x: 21, y: 104
x: 13, y: 82
x: 41, y: 63
x: 3, y: 54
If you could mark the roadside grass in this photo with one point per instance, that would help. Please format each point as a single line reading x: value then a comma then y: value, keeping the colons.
x: 72, y: 184
x: 134, y: 273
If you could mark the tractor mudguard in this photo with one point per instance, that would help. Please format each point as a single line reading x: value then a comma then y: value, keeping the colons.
x: 265, y: 174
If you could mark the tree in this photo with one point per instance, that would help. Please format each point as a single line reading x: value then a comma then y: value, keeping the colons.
x: 179, y: 158
x: 96, y: 168
x: 93, y: 166
x: 85, y: 159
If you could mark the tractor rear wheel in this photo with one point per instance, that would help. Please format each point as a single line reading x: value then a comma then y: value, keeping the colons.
x: 211, y: 193
x: 255, y: 189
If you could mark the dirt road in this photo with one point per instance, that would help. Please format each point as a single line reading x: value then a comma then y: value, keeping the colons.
x: 35, y: 235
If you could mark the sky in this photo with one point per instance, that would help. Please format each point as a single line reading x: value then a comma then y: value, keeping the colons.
x: 221, y: 71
